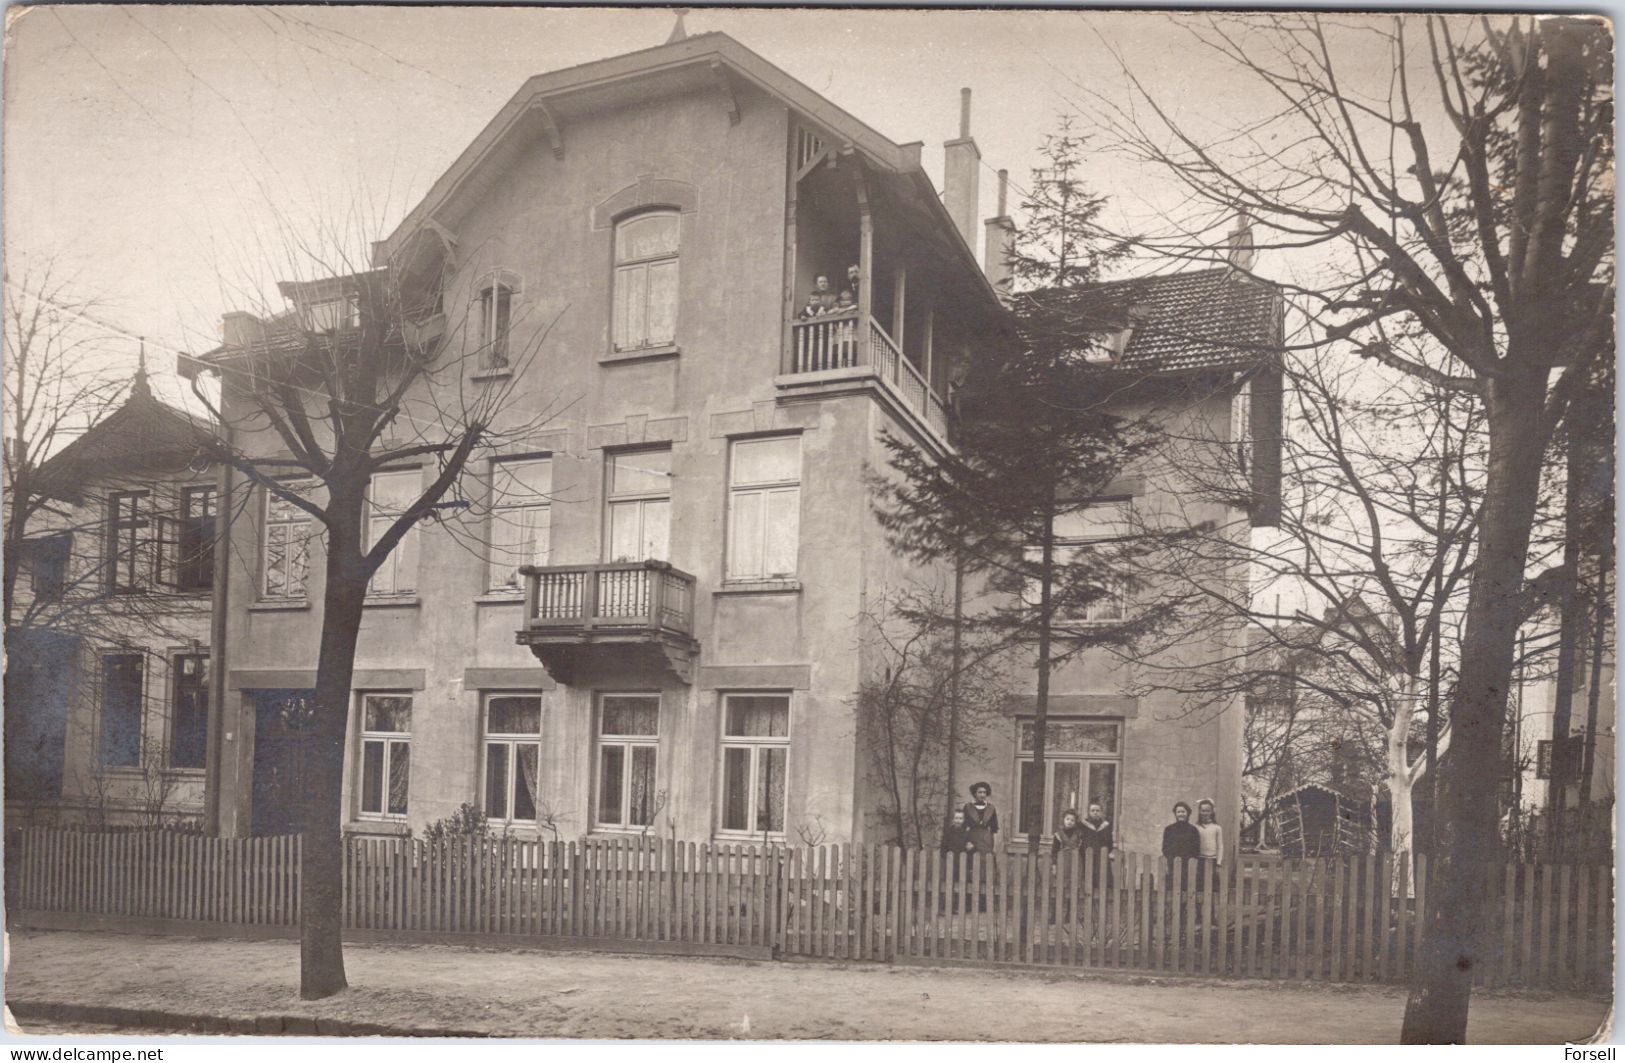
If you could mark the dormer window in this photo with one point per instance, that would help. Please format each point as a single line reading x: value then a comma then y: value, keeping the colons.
x: 330, y: 315
x: 645, y: 305
x: 496, y: 314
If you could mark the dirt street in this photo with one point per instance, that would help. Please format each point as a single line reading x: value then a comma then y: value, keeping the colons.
x: 592, y: 995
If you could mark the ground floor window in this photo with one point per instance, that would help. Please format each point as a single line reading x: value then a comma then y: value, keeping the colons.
x: 386, y: 754
x: 513, y: 749
x: 627, y: 743
x: 1082, y: 757
x: 189, y: 718
x: 755, y: 758
x: 123, y: 675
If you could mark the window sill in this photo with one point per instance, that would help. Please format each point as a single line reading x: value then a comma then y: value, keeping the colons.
x: 759, y: 586
x: 273, y: 605
x: 395, y: 828
x: 494, y: 373
x: 186, y: 773
x: 748, y: 839
x: 501, y: 598
x: 670, y: 350
x: 392, y: 601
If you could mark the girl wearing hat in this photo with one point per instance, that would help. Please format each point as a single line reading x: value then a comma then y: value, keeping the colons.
x: 981, y: 818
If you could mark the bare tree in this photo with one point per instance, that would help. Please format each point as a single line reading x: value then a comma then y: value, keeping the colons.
x: 1375, y: 540
x: 904, y: 710
x: 84, y: 579
x: 1468, y: 197
x: 368, y: 369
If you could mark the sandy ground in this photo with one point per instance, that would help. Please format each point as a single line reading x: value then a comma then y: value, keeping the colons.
x: 578, y: 994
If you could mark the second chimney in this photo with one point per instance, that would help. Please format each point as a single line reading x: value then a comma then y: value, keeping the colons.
x: 1001, y: 235
x: 961, y: 168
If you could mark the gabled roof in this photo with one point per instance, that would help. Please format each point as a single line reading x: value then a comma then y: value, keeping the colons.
x: 1202, y: 319
x: 546, y: 103
x: 142, y: 434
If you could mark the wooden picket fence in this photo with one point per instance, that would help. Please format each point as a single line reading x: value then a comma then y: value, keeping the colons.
x: 1349, y: 920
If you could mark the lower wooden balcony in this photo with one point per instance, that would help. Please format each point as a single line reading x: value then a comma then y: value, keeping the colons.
x: 626, y: 615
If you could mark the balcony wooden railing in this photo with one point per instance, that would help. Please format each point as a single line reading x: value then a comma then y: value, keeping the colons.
x: 838, y: 341
x: 620, y: 598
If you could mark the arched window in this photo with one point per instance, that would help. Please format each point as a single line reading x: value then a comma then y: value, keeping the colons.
x: 646, y: 280
x: 496, y: 312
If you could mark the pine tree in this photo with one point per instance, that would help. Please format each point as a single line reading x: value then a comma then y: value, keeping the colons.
x: 1035, y: 446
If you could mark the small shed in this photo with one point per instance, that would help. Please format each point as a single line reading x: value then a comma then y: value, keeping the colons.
x: 1315, y: 820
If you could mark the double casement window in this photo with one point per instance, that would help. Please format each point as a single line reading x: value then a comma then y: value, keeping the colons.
x: 513, y: 747
x: 1081, y: 761
x: 189, y: 711
x: 496, y: 315
x: 388, y: 496
x: 386, y: 754
x: 645, y: 303
x: 123, y: 685
x: 764, y: 508
x: 285, y: 566
x: 129, y: 542
x: 1075, y: 531
x: 627, y: 743
x: 639, y: 493
x: 755, y: 759
x: 520, y: 518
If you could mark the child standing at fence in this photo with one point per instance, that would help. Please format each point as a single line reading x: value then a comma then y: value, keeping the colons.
x: 981, y: 818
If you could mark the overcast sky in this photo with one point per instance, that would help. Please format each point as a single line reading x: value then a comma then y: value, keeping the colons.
x: 152, y: 146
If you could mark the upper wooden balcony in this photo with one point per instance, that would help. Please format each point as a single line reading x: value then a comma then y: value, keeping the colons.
x: 625, y: 613
x: 851, y: 344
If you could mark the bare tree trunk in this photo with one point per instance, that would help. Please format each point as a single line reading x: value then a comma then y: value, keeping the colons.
x: 1032, y: 798
x: 321, y: 885
x: 1466, y: 815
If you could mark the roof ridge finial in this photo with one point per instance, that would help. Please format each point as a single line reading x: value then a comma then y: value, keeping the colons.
x: 679, y: 32
x: 139, y: 386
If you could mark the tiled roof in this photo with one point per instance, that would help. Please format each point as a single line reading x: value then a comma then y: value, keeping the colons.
x: 1202, y: 319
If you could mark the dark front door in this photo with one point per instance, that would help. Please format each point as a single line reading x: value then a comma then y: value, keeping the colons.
x: 281, y: 743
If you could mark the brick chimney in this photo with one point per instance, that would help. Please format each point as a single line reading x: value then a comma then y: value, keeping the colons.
x: 1240, y: 244
x: 961, y: 167
x: 1001, y: 234
x: 238, y: 328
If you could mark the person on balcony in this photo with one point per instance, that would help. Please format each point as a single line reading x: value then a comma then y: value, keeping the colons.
x: 846, y: 302
x: 852, y: 275
x: 820, y: 300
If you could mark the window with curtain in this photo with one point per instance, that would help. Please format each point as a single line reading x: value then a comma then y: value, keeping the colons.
x: 123, y: 679
x: 1082, y: 758
x: 285, y: 565
x: 645, y: 301
x: 520, y: 518
x: 386, y: 754
x: 639, y: 493
x: 764, y: 508
x: 189, y: 711
x: 513, y: 749
x: 755, y: 760
x: 388, y: 496
x: 496, y: 313
x: 627, y: 743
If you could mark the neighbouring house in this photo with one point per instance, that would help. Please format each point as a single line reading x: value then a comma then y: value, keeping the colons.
x: 655, y: 629
x: 107, y: 706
